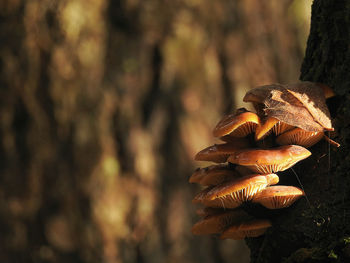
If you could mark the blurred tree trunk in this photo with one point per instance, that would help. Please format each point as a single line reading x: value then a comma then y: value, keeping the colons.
x: 320, y: 231
x: 103, y: 105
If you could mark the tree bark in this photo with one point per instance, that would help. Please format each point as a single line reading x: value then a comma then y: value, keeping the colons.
x: 316, y: 229
x: 103, y: 105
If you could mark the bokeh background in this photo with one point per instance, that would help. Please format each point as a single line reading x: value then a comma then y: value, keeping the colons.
x: 104, y: 103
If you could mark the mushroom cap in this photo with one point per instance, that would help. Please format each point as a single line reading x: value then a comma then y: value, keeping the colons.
x: 278, y: 196
x: 197, y: 175
x: 300, y: 137
x: 327, y: 91
x: 242, y: 170
x: 272, y: 179
x: 225, y: 203
x: 209, y: 211
x: 213, y: 175
x: 271, y: 160
x: 211, y: 170
x: 241, y: 189
x: 235, y: 140
x: 216, y: 223
x: 238, y: 125
x: 219, y: 153
x: 271, y: 125
x: 200, y: 197
x: 252, y: 228
x: 218, y: 178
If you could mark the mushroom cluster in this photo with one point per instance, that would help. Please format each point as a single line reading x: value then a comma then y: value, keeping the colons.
x: 255, y: 146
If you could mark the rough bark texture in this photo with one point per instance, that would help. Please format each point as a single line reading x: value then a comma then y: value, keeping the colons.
x: 318, y: 230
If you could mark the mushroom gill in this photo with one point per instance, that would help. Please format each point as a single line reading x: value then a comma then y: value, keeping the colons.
x: 278, y: 196
x: 300, y: 137
x: 240, y: 124
x: 271, y: 125
x: 271, y: 160
x: 232, y: 193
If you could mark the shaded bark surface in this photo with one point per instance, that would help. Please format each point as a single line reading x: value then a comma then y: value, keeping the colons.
x: 319, y: 231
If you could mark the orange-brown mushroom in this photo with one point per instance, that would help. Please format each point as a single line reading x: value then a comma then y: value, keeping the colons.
x: 237, y: 125
x: 236, y: 140
x: 202, y: 198
x: 300, y: 137
x: 231, y: 194
x: 215, y: 177
x: 271, y: 125
x: 243, y: 170
x: 252, y: 228
x: 327, y: 91
x: 209, y: 211
x: 200, y: 173
x: 216, y: 223
x: 278, y: 196
x: 219, y: 153
x: 272, y: 179
x: 271, y: 160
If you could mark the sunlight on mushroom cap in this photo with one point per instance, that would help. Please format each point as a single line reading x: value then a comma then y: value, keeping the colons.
x: 202, y: 198
x: 271, y: 125
x: 239, y: 189
x: 271, y: 160
x: 278, y: 196
x: 237, y: 125
x: 300, y: 137
x: 219, y: 153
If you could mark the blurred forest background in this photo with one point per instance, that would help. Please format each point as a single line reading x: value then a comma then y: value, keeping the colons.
x: 103, y: 105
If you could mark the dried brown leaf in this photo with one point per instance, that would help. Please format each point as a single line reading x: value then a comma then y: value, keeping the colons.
x: 313, y: 99
x: 295, y: 104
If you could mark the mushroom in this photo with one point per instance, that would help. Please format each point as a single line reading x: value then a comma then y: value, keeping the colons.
x: 278, y: 196
x: 216, y: 223
x: 327, y: 91
x: 202, y: 198
x: 240, y: 124
x: 252, y: 228
x: 271, y: 125
x: 215, y: 177
x: 235, y: 140
x: 219, y: 153
x: 231, y: 194
x: 200, y: 173
x: 271, y: 160
x: 208, y: 211
x: 300, y: 137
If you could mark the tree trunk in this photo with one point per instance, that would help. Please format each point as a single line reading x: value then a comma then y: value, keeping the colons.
x: 317, y: 228
x: 103, y: 105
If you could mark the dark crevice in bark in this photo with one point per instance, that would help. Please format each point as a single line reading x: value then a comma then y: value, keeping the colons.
x: 153, y: 95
